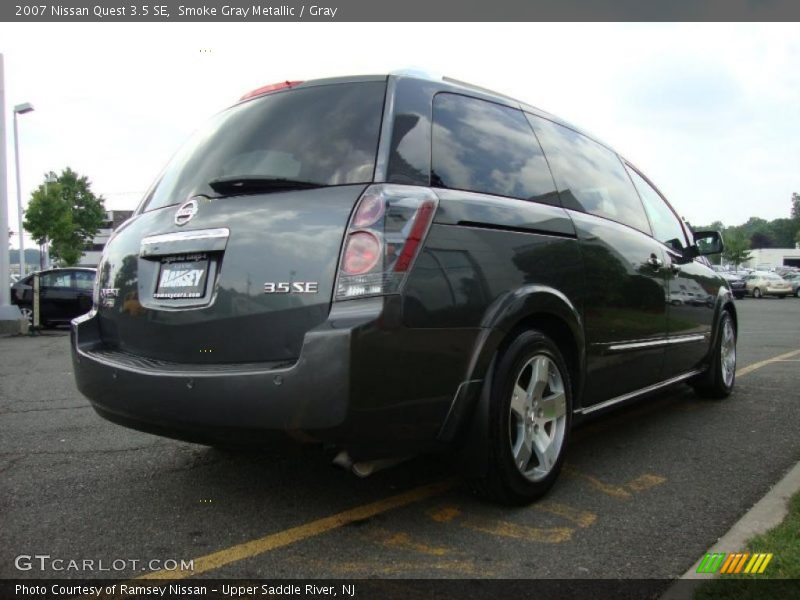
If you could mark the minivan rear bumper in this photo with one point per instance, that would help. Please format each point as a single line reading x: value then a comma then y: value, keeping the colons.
x: 223, y: 403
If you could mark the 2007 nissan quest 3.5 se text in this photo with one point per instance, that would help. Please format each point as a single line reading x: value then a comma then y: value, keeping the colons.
x: 392, y: 265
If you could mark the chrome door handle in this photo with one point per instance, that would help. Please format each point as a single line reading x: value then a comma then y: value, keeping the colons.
x: 655, y: 262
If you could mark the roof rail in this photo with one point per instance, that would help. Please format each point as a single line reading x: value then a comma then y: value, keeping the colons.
x: 476, y: 87
x: 417, y: 72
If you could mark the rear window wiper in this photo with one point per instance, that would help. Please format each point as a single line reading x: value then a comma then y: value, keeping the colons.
x: 253, y: 184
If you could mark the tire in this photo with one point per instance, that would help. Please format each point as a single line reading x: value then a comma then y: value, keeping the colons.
x: 530, y: 430
x: 797, y: 293
x: 718, y: 381
x: 757, y: 293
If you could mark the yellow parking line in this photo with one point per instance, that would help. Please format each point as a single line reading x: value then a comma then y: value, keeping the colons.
x: 582, y: 518
x: 258, y: 546
x: 615, y: 491
x: 763, y: 363
x: 507, y: 529
x: 404, y: 541
x: 645, y: 482
x: 546, y: 535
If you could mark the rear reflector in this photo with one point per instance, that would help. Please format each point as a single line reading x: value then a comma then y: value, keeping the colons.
x: 384, y: 238
x: 272, y: 87
x: 421, y: 222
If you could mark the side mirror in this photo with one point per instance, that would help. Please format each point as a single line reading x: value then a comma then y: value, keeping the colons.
x: 705, y: 244
x: 708, y: 242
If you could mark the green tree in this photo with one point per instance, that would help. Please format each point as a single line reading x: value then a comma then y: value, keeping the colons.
x: 796, y: 206
x: 783, y: 232
x: 737, y: 248
x: 67, y: 214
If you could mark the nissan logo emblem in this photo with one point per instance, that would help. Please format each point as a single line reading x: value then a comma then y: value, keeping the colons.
x: 185, y: 213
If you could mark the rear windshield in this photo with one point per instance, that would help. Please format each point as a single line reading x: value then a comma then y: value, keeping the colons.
x: 326, y: 135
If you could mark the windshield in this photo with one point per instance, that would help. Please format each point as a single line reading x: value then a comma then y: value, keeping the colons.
x: 323, y: 135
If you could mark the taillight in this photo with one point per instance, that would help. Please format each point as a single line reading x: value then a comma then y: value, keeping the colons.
x: 385, y: 235
x: 361, y: 254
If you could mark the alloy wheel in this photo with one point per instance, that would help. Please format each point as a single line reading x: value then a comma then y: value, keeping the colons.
x: 537, y: 417
x: 728, y: 352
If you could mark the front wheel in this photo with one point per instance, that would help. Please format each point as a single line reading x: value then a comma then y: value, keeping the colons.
x: 757, y: 293
x: 717, y: 382
x: 797, y: 293
x: 530, y: 418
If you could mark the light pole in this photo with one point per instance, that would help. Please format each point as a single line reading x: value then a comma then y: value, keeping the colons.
x: 20, y: 109
x: 9, y: 313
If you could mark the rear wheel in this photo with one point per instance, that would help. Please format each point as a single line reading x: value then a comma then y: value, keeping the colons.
x: 757, y: 293
x: 797, y: 293
x: 530, y: 418
x: 718, y: 381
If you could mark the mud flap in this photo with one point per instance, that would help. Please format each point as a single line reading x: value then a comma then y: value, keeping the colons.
x: 472, y: 450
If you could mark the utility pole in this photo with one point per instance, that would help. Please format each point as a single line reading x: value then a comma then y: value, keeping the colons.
x: 9, y: 314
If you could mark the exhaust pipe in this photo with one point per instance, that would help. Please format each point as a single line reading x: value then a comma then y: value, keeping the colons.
x: 365, y: 468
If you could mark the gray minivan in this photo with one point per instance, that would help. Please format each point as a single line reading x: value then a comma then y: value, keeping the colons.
x: 397, y: 264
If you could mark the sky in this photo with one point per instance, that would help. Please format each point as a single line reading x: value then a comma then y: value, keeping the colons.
x: 710, y: 112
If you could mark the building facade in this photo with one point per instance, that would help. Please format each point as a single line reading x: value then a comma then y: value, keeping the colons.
x: 769, y: 258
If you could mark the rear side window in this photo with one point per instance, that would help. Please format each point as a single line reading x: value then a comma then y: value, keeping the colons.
x: 484, y: 147
x: 56, y: 280
x: 589, y: 176
x: 327, y: 135
x: 666, y: 225
x: 84, y: 280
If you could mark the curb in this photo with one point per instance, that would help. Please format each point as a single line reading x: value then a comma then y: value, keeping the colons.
x: 766, y: 514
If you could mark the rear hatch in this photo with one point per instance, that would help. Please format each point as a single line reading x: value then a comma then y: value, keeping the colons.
x: 233, y: 256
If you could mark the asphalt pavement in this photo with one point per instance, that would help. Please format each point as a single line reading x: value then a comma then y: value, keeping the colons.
x: 646, y: 490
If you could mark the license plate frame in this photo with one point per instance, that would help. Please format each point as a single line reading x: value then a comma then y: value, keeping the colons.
x: 183, y: 277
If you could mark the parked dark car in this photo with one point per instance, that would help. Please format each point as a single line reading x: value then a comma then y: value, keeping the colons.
x: 392, y: 265
x: 737, y: 284
x: 63, y: 295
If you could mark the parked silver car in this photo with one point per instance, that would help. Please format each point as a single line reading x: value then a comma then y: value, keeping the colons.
x: 764, y: 283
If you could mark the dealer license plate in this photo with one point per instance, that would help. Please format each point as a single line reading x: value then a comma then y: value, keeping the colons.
x: 182, y: 279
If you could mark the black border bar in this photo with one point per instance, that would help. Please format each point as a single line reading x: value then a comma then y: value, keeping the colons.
x: 398, y: 10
